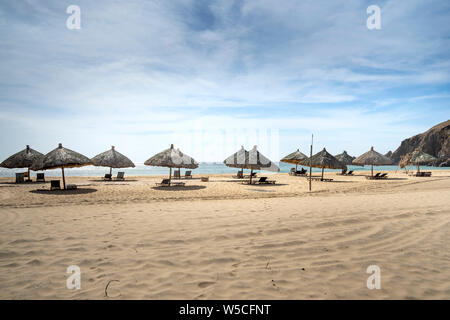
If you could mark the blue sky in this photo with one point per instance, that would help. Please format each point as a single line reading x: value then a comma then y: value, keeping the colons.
x: 210, y: 76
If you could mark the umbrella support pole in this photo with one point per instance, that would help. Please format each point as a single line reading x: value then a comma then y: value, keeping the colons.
x: 170, y: 175
x: 110, y: 171
x: 418, y: 168
x: 295, y: 168
x: 29, y: 177
x: 322, y: 173
x: 251, y: 175
x: 371, y: 170
x: 64, y: 178
x: 310, y: 165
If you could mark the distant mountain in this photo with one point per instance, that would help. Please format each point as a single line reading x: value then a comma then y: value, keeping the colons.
x: 389, y: 154
x: 435, y: 141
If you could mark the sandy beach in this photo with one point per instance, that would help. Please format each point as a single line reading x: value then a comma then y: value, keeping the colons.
x: 225, y: 240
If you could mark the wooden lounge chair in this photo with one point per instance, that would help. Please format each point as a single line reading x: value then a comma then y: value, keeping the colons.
x: 120, y: 176
x: 320, y: 179
x: 176, y: 174
x: 263, y: 180
x: 350, y: 173
x: 19, y: 177
x: 55, y: 185
x: 253, y: 175
x: 188, y: 175
x: 382, y: 176
x: 374, y: 177
x: 71, y: 187
x: 40, y: 177
x: 168, y: 183
x: 239, y: 175
x: 108, y: 176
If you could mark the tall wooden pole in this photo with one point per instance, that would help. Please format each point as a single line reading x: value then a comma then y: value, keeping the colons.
x: 110, y: 170
x: 310, y: 162
x: 64, y: 178
x: 251, y: 175
x: 29, y: 177
x: 170, y: 175
x: 322, y: 173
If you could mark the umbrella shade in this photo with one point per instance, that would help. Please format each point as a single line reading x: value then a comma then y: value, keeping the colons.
x: 345, y: 158
x: 323, y: 160
x: 172, y: 158
x: 61, y: 158
x: 420, y: 157
x: 372, y: 158
x: 295, y: 157
x: 22, y: 159
x: 112, y: 159
x: 405, y: 160
x: 253, y: 160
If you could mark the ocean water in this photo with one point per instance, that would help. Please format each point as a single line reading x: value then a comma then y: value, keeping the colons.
x: 203, y: 169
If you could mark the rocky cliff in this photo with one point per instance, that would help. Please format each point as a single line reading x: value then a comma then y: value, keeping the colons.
x: 435, y: 141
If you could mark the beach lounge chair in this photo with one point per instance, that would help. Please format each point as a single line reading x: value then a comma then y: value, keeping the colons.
x: 120, y: 176
x: 253, y: 175
x: 40, y: 177
x: 188, y: 175
x: 350, y: 173
x: 263, y: 180
x: 382, y: 176
x: 71, y: 187
x: 426, y: 174
x: 19, y: 177
x: 239, y: 175
x: 168, y: 183
x: 320, y: 179
x: 176, y: 174
x: 108, y: 176
x: 374, y: 177
x: 55, y: 185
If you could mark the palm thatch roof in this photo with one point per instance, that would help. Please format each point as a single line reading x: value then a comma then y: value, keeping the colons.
x: 323, y: 159
x: 112, y: 159
x: 22, y: 159
x: 253, y: 160
x: 172, y: 158
x: 420, y: 157
x: 295, y: 157
x: 372, y: 157
x: 61, y: 158
x: 404, y: 161
x: 345, y: 158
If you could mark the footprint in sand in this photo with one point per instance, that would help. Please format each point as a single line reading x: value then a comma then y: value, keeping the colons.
x: 205, y: 284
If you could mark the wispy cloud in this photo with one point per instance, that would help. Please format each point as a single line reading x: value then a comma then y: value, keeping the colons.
x: 143, y: 69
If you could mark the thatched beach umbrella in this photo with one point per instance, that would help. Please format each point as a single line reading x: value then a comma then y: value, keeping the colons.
x: 61, y: 158
x: 323, y: 160
x: 22, y: 159
x: 253, y: 160
x: 419, y: 157
x: 112, y: 159
x: 345, y: 158
x: 172, y: 158
x: 294, y: 158
x: 372, y: 158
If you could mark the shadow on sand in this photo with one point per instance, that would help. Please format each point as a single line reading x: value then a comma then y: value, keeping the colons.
x: 65, y: 192
x: 179, y: 188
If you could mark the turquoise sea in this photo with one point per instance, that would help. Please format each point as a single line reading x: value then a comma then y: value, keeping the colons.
x: 203, y: 169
